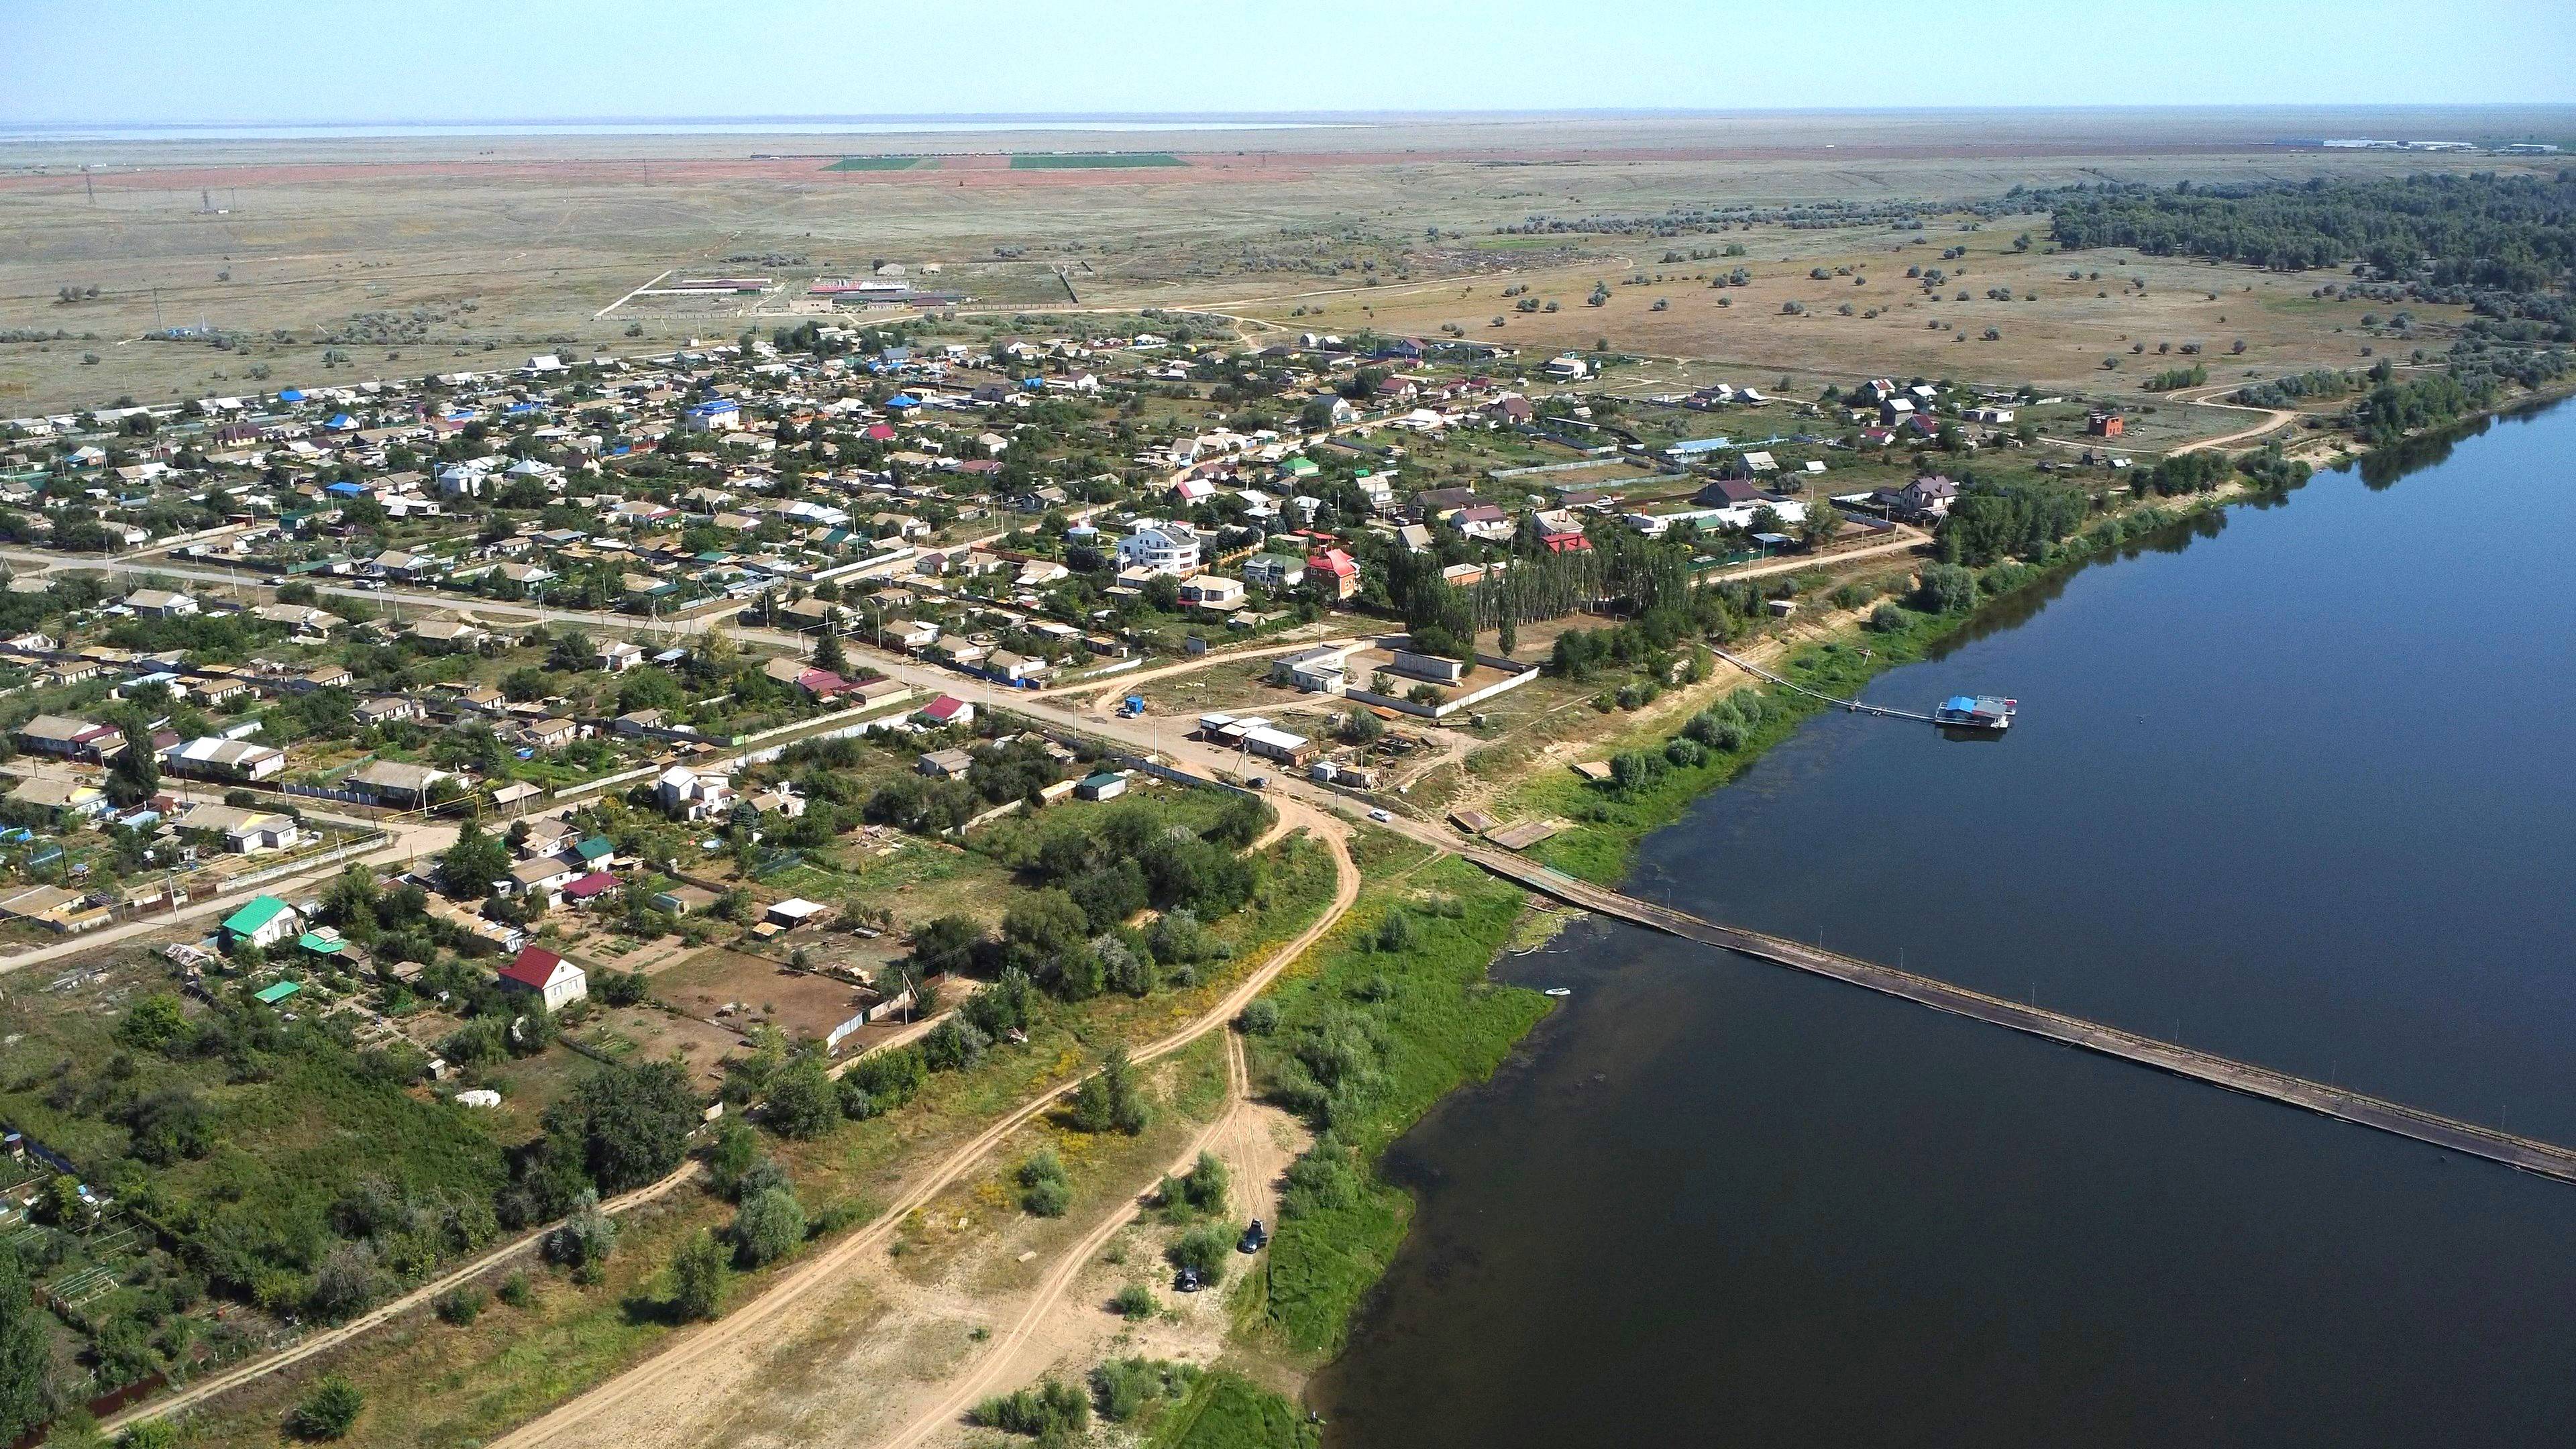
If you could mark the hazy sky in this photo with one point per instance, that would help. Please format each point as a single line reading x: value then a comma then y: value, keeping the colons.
x: 378, y: 60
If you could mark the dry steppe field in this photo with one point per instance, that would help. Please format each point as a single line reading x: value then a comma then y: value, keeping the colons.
x: 432, y: 254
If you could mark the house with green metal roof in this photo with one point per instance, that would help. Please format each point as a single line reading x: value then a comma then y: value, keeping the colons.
x: 271, y: 995
x: 595, y: 849
x: 263, y: 923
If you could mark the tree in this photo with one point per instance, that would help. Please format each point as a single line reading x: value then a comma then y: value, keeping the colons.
x: 698, y: 1278
x: 584, y: 1240
x: 1110, y: 1099
x: 1205, y: 1250
x: 135, y: 776
x: 149, y: 1434
x: 828, y: 653
x: 1819, y: 525
x: 1507, y: 635
x: 628, y: 1125
x: 1946, y: 588
x: 472, y: 864
x: 329, y: 1412
x: 154, y: 1022
x: 1197, y: 1193
x: 768, y: 1227
x: 26, y: 1354
x: 1054, y: 1412
x: 945, y: 944
x: 572, y: 652
x: 802, y: 1103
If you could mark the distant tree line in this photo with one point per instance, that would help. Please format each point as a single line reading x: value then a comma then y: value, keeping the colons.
x: 2517, y: 233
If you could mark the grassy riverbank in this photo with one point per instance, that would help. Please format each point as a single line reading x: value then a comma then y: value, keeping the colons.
x: 1383, y: 1021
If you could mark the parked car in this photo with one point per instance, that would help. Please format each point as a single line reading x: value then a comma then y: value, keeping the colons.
x: 1254, y: 1238
x: 1380, y: 816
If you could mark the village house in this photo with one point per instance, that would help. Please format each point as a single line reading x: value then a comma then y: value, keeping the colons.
x: 160, y: 604
x: 241, y: 831
x: 77, y: 739
x: 264, y: 922
x: 213, y: 757
x: 686, y: 794
x: 555, y: 982
x: 443, y: 635
x: 397, y: 785
x: 541, y: 879
x: 1162, y: 548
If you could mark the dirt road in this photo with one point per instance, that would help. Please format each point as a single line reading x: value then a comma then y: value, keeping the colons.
x: 675, y: 1397
x: 2272, y: 418
x: 1238, y: 1137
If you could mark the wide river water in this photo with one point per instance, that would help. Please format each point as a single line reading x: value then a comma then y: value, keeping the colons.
x: 2302, y: 789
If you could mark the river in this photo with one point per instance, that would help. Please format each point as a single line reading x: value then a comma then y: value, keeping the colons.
x: 2296, y: 788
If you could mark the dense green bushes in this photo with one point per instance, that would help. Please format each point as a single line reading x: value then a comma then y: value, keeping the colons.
x: 1125, y: 1387
x: 2282, y: 392
x: 1056, y: 1413
x: 1045, y: 1190
x: 1991, y: 521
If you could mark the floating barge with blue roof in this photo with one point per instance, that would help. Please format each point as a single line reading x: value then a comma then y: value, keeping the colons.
x: 1983, y: 712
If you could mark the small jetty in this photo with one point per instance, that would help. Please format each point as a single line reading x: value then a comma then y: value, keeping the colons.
x: 1984, y: 712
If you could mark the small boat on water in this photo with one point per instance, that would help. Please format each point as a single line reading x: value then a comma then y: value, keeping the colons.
x: 1559, y: 991
x: 1984, y: 712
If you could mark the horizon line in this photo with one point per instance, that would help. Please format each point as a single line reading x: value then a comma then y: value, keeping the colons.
x: 1218, y: 120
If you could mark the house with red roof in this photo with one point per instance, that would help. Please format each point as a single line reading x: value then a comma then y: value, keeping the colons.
x: 549, y: 977
x: 590, y: 887
x: 947, y: 709
x: 824, y: 684
x: 1334, y: 572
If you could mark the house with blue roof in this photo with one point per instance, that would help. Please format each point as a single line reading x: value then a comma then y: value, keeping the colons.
x: 715, y: 415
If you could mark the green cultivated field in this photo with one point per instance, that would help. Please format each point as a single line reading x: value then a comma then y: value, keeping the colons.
x: 1092, y: 160
x: 885, y: 163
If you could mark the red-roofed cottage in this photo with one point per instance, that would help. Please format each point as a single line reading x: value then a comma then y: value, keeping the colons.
x: 556, y: 981
x: 1336, y: 573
